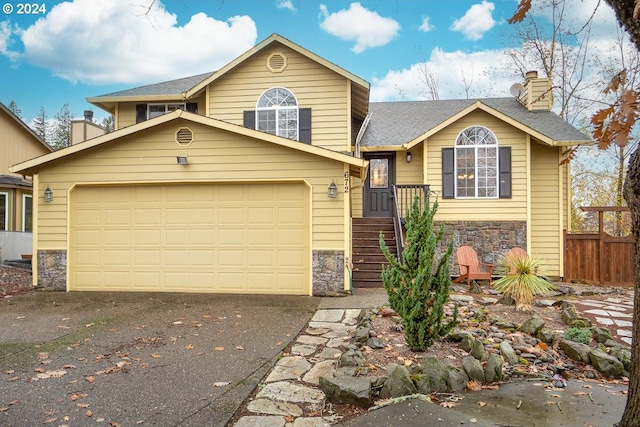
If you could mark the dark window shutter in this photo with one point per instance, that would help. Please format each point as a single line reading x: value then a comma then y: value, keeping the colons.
x: 249, y: 119
x: 141, y: 112
x: 448, y: 173
x: 192, y: 107
x: 304, y: 125
x: 504, y: 163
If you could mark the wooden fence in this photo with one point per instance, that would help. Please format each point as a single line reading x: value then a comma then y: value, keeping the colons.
x: 599, y: 257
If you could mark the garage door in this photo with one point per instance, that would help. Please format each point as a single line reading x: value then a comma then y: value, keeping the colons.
x: 244, y: 238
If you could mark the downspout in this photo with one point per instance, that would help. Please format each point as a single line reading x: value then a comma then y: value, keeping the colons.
x: 361, y: 132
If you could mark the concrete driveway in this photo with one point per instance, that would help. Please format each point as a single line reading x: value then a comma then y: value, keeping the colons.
x: 138, y: 359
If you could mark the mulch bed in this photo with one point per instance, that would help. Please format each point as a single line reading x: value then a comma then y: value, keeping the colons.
x: 14, y: 281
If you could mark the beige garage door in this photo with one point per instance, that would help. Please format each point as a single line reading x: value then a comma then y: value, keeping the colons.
x: 244, y: 238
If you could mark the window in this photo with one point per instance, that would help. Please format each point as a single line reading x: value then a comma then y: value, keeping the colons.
x: 155, y: 110
x: 4, y: 211
x: 27, y: 213
x: 476, y: 163
x: 277, y: 113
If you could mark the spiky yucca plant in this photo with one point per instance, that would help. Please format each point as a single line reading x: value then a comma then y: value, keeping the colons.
x: 521, y: 281
x: 417, y: 285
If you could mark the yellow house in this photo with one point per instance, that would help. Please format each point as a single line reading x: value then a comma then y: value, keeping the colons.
x: 17, y: 144
x: 249, y: 179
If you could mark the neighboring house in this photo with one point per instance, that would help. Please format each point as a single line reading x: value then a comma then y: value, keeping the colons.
x: 17, y: 144
x: 248, y: 179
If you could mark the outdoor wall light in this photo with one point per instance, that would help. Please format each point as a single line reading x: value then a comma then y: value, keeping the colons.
x: 332, y: 190
x: 408, y: 156
x: 182, y: 160
x: 48, y: 195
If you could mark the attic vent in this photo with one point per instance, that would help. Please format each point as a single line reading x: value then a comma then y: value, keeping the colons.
x: 184, y: 136
x: 277, y: 62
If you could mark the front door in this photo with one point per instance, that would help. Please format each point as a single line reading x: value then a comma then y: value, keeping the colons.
x: 378, y: 187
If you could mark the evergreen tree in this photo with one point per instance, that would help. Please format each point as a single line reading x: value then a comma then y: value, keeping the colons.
x: 61, y: 132
x: 108, y: 123
x: 41, y: 126
x: 13, y: 107
x: 418, y: 285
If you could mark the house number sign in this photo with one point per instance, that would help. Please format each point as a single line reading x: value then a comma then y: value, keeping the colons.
x: 346, y: 182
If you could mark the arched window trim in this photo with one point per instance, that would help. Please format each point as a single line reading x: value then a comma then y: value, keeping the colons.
x: 467, y: 153
x: 284, y: 127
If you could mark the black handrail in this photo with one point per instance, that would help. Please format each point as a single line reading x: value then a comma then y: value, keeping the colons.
x: 403, y: 197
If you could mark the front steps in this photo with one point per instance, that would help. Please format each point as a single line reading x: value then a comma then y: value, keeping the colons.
x: 367, y: 256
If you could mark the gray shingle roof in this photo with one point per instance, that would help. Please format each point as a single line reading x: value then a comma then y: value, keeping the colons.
x: 396, y: 123
x: 172, y: 87
x: 14, y: 181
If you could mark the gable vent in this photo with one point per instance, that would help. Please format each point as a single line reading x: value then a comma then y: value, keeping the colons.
x: 184, y: 136
x: 277, y: 62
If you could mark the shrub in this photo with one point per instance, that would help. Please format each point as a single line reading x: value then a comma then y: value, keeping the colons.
x: 521, y: 282
x: 581, y: 335
x: 418, y: 287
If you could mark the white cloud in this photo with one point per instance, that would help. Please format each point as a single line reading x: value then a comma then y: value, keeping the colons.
x: 458, y: 75
x: 476, y: 21
x: 107, y: 42
x: 5, y: 34
x: 286, y: 4
x: 426, y: 25
x: 366, y: 28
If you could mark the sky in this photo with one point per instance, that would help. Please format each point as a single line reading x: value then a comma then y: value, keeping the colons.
x: 61, y: 52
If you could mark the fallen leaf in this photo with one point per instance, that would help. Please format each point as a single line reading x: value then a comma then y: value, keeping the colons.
x: 474, y: 385
x: 90, y: 379
x: 206, y: 316
x: 69, y: 366
x: 155, y: 356
x: 473, y: 420
x: 221, y: 383
x: 482, y: 404
x: 50, y: 420
x: 74, y: 397
x: 12, y: 379
x: 14, y: 402
x: 219, y: 348
x: 88, y: 325
x: 449, y: 404
x: 4, y: 409
x: 43, y: 356
x: 189, y: 346
x: 239, y: 347
x: 40, y: 370
x: 178, y: 322
x: 82, y: 405
x: 89, y: 413
x: 10, y: 371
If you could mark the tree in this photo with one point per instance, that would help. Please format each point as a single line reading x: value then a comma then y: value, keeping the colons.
x: 613, y: 124
x: 13, y: 107
x: 418, y: 285
x: 41, y: 125
x: 61, y: 132
x: 108, y: 123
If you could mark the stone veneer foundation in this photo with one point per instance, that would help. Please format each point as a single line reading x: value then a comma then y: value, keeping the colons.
x: 328, y: 273
x: 490, y: 239
x: 52, y: 270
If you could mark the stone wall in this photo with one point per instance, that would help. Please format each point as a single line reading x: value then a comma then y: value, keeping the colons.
x: 52, y: 270
x: 328, y: 273
x: 491, y: 239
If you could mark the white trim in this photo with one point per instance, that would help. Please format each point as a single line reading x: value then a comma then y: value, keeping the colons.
x: 24, y: 210
x: 6, y: 211
x: 475, y: 167
x: 277, y: 109
x: 181, y: 106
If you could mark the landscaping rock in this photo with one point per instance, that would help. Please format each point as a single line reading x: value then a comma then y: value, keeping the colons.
x: 478, y: 351
x: 545, y: 335
x: 398, y: 382
x: 575, y: 350
x: 434, y: 376
x: 493, y: 371
x: 467, y: 341
x: 456, y: 377
x: 267, y: 406
x: 601, y: 335
x: 361, y: 335
x: 532, y: 325
x: 570, y: 317
x: 325, y: 368
x: 607, y: 365
x: 350, y: 390
x: 508, y: 353
x: 288, y: 392
x: 352, y: 358
x: 623, y: 355
x: 375, y: 343
x: 473, y: 369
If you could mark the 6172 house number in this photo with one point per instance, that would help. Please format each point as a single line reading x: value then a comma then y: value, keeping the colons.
x: 346, y: 182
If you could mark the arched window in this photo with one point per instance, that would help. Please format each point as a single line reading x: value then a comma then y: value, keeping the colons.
x: 476, y: 163
x: 277, y: 111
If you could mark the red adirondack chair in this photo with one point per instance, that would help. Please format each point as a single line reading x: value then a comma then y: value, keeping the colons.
x: 470, y: 267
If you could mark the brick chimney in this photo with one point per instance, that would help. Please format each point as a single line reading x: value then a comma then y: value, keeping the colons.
x: 537, y: 93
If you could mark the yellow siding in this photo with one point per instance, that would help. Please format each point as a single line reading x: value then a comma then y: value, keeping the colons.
x: 214, y: 156
x: 546, y: 208
x: 513, y: 209
x: 356, y: 197
x: 16, y: 144
x: 126, y: 111
x: 314, y: 86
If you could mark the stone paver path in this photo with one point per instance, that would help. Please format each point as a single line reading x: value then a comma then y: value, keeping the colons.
x: 614, y: 313
x: 293, y: 382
